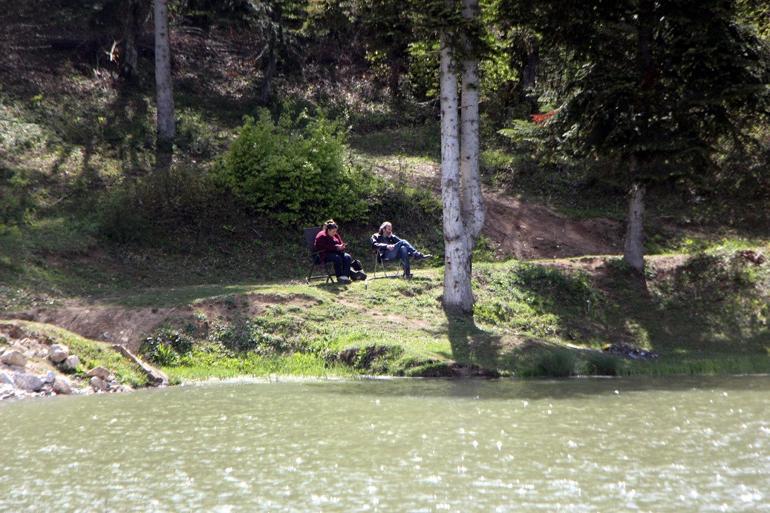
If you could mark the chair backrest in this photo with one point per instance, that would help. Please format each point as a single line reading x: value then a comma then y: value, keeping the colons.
x: 310, y: 234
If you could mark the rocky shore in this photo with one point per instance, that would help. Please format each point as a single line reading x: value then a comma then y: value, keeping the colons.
x: 36, y: 366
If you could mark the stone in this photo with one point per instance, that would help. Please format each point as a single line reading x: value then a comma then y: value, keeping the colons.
x: 6, y: 379
x: 61, y: 386
x: 57, y: 353
x: 28, y: 382
x: 98, y: 384
x: 13, y: 357
x: 99, y: 372
x: 7, y: 391
x: 49, y: 378
x: 71, y: 363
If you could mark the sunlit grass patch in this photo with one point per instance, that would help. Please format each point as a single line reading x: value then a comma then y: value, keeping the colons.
x: 204, y: 363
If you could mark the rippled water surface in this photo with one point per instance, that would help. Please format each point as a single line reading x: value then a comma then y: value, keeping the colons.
x: 571, y: 446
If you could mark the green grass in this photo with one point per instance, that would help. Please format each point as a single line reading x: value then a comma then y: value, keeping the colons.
x: 708, y: 315
x: 202, y: 364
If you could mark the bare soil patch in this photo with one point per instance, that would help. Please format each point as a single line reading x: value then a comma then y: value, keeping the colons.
x: 523, y: 229
x: 130, y: 326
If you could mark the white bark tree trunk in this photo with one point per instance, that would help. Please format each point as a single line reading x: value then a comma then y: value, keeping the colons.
x: 472, y: 200
x: 457, y: 279
x: 633, y: 250
x: 460, y: 183
x: 163, y: 89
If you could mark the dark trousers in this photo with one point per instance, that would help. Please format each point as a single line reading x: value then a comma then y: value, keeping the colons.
x: 341, y: 263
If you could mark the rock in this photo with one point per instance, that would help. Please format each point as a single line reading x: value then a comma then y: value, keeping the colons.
x: 6, y: 379
x: 71, y: 363
x: 57, y: 353
x: 7, y: 391
x: 629, y: 351
x: 98, y: 384
x: 754, y: 257
x: 28, y: 382
x: 99, y: 372
x: 61, y: 386
x: 13, y: 357
x: 13, y: 331
x: 49, y: 378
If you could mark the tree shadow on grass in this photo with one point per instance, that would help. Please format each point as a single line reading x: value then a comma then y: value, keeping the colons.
x: 470, y: 344
x: 698, y: 306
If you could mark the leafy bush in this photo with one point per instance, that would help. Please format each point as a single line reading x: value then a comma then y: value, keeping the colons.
x: 166, y: 346
x: 260, y: 335
x: 294, y: 171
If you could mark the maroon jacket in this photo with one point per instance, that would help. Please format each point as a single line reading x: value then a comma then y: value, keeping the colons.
x: 325, y: 244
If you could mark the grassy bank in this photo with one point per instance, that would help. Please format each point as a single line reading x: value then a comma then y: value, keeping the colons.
x: 704, y: 314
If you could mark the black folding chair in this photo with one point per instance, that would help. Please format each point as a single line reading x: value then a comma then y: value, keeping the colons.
x: 318, y: 270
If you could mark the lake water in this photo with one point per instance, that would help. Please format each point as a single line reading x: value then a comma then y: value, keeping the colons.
x: 599, y: 445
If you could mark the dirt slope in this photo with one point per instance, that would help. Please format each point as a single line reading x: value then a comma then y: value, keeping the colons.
x: 523, y: 229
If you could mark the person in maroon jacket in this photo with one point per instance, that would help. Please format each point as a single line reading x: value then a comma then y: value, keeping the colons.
x: 331, y: 248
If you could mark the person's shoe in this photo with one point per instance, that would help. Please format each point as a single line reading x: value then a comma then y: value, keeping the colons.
x: 408, y: 276
x: 343, y: 279
x: 422, y: 256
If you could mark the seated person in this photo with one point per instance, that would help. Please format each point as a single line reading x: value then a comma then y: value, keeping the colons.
x: 331, y: 248
x: 391, y: 247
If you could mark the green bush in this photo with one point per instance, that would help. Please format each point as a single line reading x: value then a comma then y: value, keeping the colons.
x: 166, y: 346
x: 294, y: 171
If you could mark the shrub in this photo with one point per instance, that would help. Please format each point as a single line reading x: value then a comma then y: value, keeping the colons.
x: 292, y: 172
x: 166, y: 346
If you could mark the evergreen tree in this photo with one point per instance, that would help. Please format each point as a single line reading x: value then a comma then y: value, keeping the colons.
x: 658, y: 84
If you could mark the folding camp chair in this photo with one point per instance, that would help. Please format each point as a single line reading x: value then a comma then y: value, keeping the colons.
x: 382, y: 264
x: 321, y: 270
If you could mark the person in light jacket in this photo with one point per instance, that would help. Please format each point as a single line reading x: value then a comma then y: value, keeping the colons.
x: 391, y: 247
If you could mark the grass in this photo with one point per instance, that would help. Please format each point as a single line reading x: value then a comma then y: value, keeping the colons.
x: 706, y: 315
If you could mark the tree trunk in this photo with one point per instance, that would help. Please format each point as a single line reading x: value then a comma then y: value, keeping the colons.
x: 472, y: 200
x: 165, y: 98
x: 460, y: 182
x: 266, y: 90
x: 633, y: 250
x: 134, y: 22
x: 532, y: 60
x: 458, y: 296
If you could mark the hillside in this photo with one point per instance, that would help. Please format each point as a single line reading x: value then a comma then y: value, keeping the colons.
x: 94, y: 240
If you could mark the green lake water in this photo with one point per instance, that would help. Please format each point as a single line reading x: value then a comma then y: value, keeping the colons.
x: 583, y: 445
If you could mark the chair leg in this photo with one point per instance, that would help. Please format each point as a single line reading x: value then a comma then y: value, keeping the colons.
x: 310, y: 273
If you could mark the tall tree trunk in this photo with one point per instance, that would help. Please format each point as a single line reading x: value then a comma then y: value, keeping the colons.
x: 472, y: 200
x: 458, y: 296
x: 633, y: 248
x: 266, y: 90
x: 463, y: 213
x: 134, y: 22
x: 163, y: 89
x: 530, y: 63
